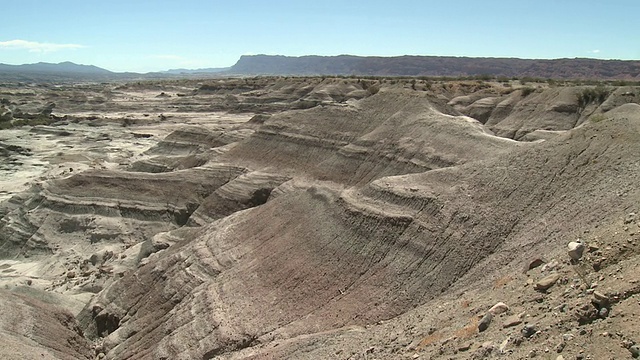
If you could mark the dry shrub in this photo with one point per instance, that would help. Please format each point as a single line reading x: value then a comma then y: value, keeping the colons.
x: 430, y: 339
x: 469, y: 330
x: 501, y: 282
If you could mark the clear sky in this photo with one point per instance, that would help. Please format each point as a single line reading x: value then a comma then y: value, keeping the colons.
x: 145, y: 35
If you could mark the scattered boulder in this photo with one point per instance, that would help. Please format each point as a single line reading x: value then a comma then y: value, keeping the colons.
x: 534, y: 264
x: 631, y: 217
x: 528, y: 330
x: 483, y: 351
x: 600, y: 299
x: 499, y: 308
x: 635, y: 351
x: 603, y: 312
x: 485, y: 321
x: 586, y: 313
x: 576, y: 249
x: 513, y: 320
x: 550, y: 266
x: 547, y: 282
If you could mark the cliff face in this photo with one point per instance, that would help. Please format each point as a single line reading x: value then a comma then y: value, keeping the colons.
x: 436, y: 66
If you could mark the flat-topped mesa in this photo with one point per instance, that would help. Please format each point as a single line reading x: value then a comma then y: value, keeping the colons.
x: 435, y: 66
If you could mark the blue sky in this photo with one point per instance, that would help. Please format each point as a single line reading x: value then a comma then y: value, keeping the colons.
x: 141, y: 36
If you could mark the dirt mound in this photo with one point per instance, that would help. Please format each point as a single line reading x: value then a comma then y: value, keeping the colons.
x: 390, y: 133
x: 529, y: 109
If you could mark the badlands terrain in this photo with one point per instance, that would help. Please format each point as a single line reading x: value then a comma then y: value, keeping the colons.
x: 319, y: 218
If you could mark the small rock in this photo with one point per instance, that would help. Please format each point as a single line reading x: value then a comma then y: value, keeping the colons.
x: 585, y: 314
x: 547, y: 282
x: 487, y: 344
x: 464, y: 347
x: 528, y: 330
x: 483, y: 351
x: 512, y: 320
x: 600, y: 299
x: 576, y: 249
x: 71, y: 274
x: 560, y: 357
x: 562, y: 307
x: 603, y: 313
x: 485, y: 321
x: 631, y: 217
x: 534, y: 264
x: 517, y: 340
x: 550, y: 266
x: 635, y: 351
x: 503, y: 345
x: 499, y: 308
x: 29, y: 282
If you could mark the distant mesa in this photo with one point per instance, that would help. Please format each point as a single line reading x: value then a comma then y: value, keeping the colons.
x: 578, y: 68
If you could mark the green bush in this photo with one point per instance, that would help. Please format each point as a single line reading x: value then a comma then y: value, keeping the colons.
x: 526, y: 91
x: 597, y: 95
x: 597, y: 118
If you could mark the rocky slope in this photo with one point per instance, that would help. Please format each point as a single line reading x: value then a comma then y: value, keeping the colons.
x: 349, y: 219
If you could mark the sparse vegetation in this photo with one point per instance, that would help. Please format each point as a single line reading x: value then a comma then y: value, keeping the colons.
x: 597, y: 95
x: 597, y: 118
x: 527, y: 90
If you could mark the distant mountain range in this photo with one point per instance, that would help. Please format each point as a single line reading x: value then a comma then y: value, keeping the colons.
x: 61, y: 68
x: 577, y: 68
x: 65, y: 71
x: 446, y: 66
